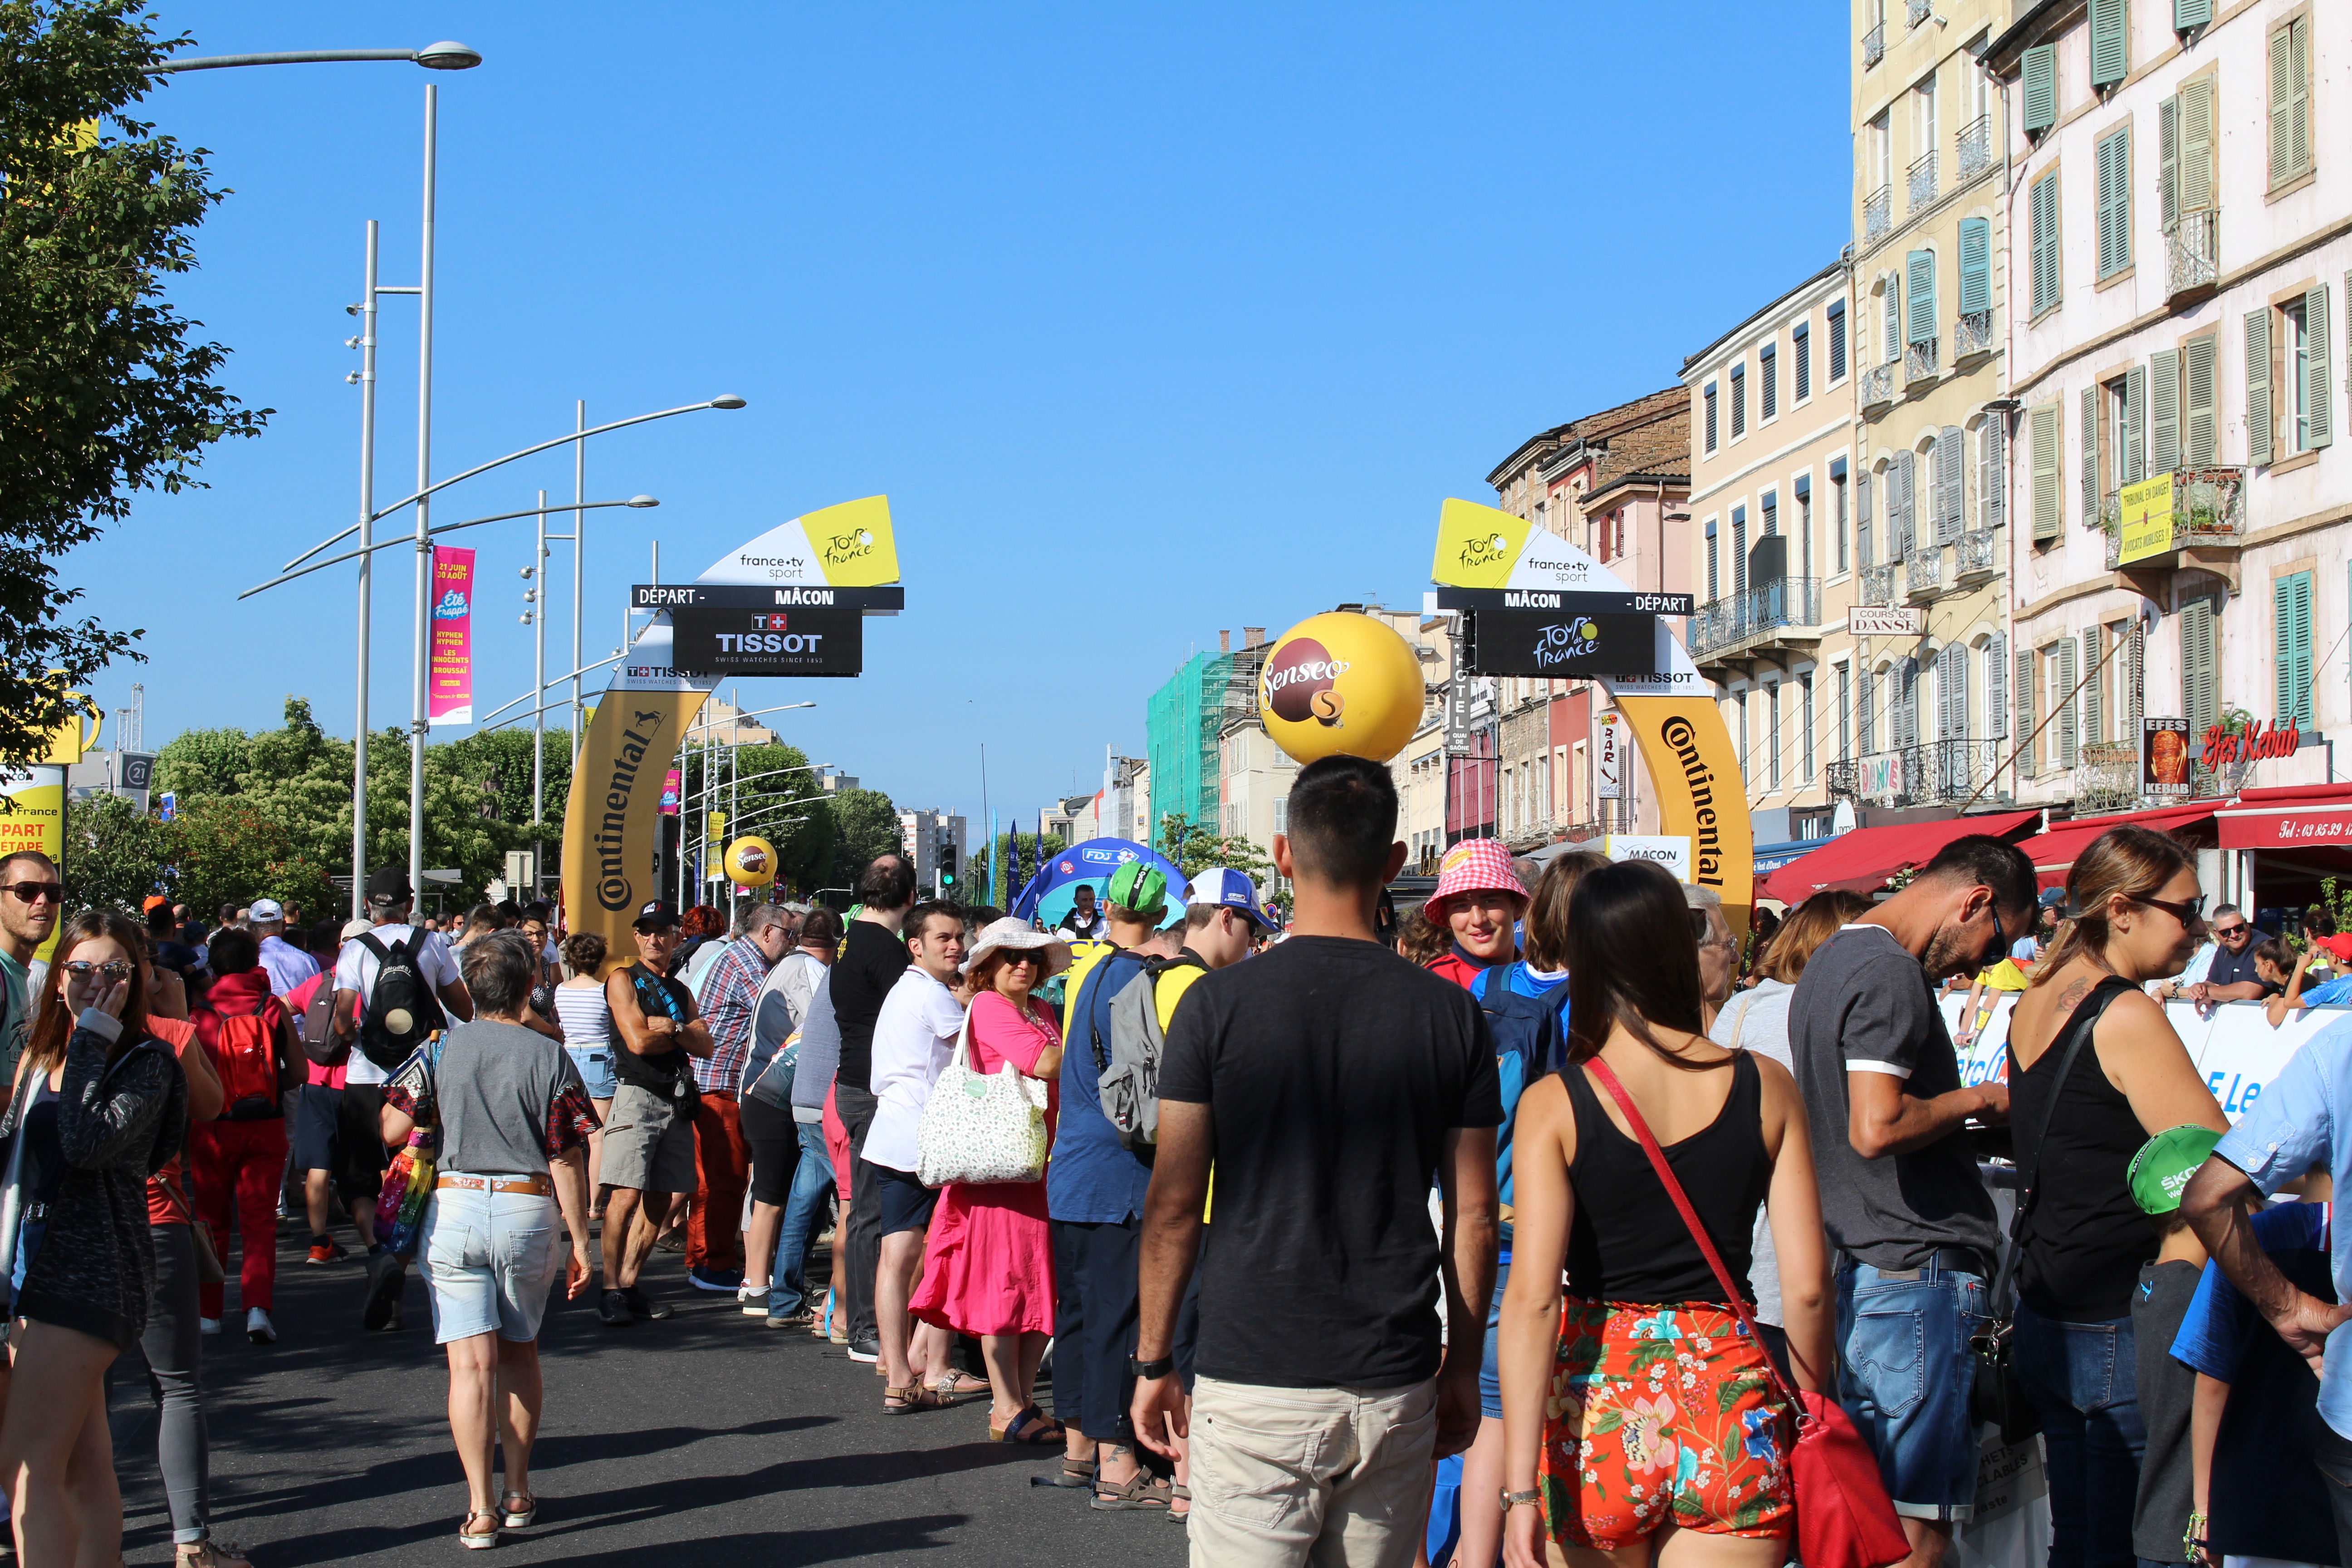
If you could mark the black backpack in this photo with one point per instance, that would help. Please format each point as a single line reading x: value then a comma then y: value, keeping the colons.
x: 402, y: 1011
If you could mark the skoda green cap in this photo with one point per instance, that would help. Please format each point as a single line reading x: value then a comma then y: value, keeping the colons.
x: 2160, y: 1170
x: 1137, y: 887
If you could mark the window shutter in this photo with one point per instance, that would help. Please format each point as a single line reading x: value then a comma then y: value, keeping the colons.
x: 2025, y: 710
x: 2163, y: 411
x: 2188, y: 14
x: 1739, y: 401
x: 2291, y: 607
x: 1997, y: 688
x: 2068, y: 708
x: 2113, y: 167
x: 2042, y: 436
x: 2197, y: 684
x: 1910, y: 702
x: 2109, y: 57
x: 1951, y: 483
x: 2282, y: 107
x: 1710, y: 417
x: 1892, y: 342
x: 2040, y: 89
x: 1919, y: 283
x: 2043, y: 205
x: 2195, y: 173
x: 2094, y: 714
x: 1801, y: 349
x: 2199, y: 438
x: 1837, y: 338
x: 1902, y: 505
x: 2167, y: 163
x: 2260, y: 425
x: 1953, y: 682
x: 1865, y: 712
x: 1975, y: 266
x: 2135, y: 453
x: 1767, y: 375
x: 2318, y: 388
x: 2135, y: 681
x: 1861, y: 518
x: 1740, y: 549
x: 2298, y: 71
x: 1993, y: 482
x: 2090, y: 457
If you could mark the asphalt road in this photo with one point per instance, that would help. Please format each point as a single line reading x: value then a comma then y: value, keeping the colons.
x: 707, y: 1432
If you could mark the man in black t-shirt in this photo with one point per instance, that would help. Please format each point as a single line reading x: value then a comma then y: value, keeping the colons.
x: 1329, y: 1080
x: 871, y: 959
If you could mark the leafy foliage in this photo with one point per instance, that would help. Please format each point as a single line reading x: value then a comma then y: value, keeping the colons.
x: 767, y: 793
x: 1195, y: 849
x: 104, y: 389
x: 865, y: 823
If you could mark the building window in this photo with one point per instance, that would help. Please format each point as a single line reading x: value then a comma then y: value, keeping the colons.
x: 2290, y: 101
x: 1800, y: 359
x: 1837, y: 511
x: 1805, y: 717
x: 1739, y: 401
x: 1804, y: 492
x: 1865, y: 713
x: 1740, y: 549
x: 2303, y: 390
x: 1772, y: 728
x: 1768, y: 382
x: 1708, y: 397
x: 2041, y: 212
x: 2291, y: 607
x: 1282, y: 814
x: 2110, y: 43
x: 1845, y: 713
x: 2114, y: 171
x: 1837, y: 341
x: 1714, y: 570
x: 1771, y: 510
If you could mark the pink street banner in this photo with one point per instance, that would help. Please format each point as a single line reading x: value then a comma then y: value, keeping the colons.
x: 451, y: 686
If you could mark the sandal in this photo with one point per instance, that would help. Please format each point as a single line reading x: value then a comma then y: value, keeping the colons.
x: 209, y: 1553
x: 1141, y: 1491
x: 515, y: 1518
x: 904, y: 1401
x: 1073, y: 1474
x: 1180, y: 1492
x: 1032, y: 1427
x: 477, y: 1540
x: 957, y: 1387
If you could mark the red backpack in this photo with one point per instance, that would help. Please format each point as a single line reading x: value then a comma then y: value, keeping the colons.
x: 243, y: 1045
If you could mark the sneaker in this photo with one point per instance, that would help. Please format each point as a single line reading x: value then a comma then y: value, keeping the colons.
x: 799, y: 1320
x: 325, y: 1249
x: 643, y: 1307
x: 208, y: 1325
x: 866, y: 1351
x: 751, y: 1300
x: 258, y: 1327
x: 615, y: 1310
x: 718, y: 1281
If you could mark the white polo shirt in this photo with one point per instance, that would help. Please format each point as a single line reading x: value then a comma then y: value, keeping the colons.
x: 913, y: 1039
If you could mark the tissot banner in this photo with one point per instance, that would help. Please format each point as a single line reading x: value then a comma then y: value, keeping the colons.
x: 451, y: 699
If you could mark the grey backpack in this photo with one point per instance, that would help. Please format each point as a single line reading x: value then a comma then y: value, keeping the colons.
x: 1129, y: 1084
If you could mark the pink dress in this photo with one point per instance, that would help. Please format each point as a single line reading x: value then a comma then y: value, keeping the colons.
x: 988, y: 1267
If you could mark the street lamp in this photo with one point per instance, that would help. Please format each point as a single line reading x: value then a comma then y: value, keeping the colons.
x: 445, y: 56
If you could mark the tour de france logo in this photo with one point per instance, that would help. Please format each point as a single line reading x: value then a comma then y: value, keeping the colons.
x: 1485, y: 552
x: 1301, y: 682
x: 846, y: 547
x: 1560, y: 644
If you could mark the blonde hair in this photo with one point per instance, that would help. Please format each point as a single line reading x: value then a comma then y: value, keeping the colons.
x: 1546, y: 925
x: 2127, y: 862
x: 1808, y: 926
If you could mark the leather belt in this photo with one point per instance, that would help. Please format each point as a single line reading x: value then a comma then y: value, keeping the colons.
x: 539, y: 1184
x: 1943, y: 1260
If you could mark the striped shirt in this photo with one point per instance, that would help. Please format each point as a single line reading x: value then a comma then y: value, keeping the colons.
x: 584, y: 1014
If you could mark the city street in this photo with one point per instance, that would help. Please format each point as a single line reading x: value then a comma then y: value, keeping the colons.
x: 706, y: 1432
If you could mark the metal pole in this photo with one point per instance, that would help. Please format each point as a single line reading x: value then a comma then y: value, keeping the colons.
x: 579, y: 560
x: 367, y: 569
x: 539, y: 686
x: 417, y: 722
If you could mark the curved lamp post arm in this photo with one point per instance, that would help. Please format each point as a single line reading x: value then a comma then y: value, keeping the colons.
x: 408, y: 541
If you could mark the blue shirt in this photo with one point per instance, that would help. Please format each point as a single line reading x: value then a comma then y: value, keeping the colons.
x: 1510, y: 1071
x: 2305, y: 1118
x: 1091, y: 1179
x: 2212, y: 1333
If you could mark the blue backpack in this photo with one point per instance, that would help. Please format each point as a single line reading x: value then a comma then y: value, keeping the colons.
x: 1529, y: 1042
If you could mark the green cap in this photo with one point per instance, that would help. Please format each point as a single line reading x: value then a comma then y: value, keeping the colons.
x: 1137, y: 887
x: 2160, y: 1170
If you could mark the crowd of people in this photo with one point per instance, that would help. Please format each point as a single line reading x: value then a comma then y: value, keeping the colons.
x: 1260, y: 1220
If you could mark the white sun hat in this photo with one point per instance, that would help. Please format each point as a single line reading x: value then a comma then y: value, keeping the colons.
x: 1014, y: 931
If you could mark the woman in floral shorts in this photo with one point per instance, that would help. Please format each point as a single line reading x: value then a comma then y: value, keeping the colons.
x: 1639, y: 1405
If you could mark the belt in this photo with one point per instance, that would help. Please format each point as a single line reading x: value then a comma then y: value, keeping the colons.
x: 539, y: 1184
x: 1943, y: 1260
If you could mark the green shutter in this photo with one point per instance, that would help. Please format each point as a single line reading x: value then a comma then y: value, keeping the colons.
x: 1976, y: 265
x: 2291, y: 614
x: 2298, y: 113
x: 2318, y: 390
x: 1919, y: 286
x: 2040, y: 89
x: 1891, y: 338
x: 2134, y: 452
x: 2188, y: 14
x: 2043, y: 433
x: 2260, y: 425
x: 2197, y: 146
x: 2113, y: 167
x: 2094, y: 712
x: 2110, y: 59
x: 2025, y: 710
x: 2047, y: 277
x: 2167, y: 163
x: 2069, y: 708
x: 2197, y: 686
x: 2090, y: 457
x: 2282, y: 107
x: 2200, y: 436
x: 2163, y: 411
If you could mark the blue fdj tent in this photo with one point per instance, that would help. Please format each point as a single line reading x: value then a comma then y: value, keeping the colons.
x: 1052, y: 892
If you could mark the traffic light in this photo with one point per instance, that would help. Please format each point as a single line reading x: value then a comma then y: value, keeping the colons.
x: 947, y: 864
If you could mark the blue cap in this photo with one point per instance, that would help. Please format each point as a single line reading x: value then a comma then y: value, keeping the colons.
x: 1227, y: 888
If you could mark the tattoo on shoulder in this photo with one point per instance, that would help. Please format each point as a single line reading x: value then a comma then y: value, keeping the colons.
x: 2072, y: 995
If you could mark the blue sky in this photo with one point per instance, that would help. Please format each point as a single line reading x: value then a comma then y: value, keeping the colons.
x: 1148, y: 322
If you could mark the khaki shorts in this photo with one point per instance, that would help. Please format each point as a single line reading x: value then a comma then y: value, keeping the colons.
x: 1287, y: 1475
x: 649, y: 1141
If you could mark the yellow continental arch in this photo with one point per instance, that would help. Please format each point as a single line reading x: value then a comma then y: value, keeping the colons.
x: 1702, y: 794
x: 611, y: 842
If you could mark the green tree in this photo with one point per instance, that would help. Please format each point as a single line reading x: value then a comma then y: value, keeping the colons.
x: 1194, y: 849
x: 865, y: 825
x: 115, y: 854
x: 1021, y: 856
x: 105, y: 389
x: 767, y: 792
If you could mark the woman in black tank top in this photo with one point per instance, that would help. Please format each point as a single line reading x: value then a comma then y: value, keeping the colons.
x: 1636, y: 1403
x: 2087, y: 1246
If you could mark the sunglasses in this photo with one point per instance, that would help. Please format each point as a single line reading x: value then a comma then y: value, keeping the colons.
x: 2232, y: 930
x: 2189, y: 913
x: 82, y: 968
x: 1021, y: 957
x: 35, y: 892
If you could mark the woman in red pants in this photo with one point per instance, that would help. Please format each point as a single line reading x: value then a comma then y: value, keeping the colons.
x: 249, y: 1039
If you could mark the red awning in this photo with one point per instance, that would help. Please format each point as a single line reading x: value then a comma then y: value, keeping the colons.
x: 2321, y: 824
x: 2054, y: 852
x: 1858, y: 861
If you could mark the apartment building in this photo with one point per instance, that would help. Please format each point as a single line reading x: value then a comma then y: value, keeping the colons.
x: 1930, y: 710
x: 1615, y: 485
x: 2182, y: 177
x: 921, y: 833
x: 1772, y: 524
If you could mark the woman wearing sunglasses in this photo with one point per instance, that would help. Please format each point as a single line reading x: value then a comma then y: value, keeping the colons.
x: 2087, y: 1248
x: 101, y: 1105
x: 988, y: 1264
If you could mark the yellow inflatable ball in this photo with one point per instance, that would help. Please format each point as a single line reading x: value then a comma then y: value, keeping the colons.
x: 1341, y: 684
x: 750, y: 862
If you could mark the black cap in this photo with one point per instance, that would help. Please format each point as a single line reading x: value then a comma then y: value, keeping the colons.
x: 657, y: 915
x: 389, y: 887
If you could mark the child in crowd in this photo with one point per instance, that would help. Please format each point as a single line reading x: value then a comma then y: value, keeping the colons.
x: 2163, y: 1510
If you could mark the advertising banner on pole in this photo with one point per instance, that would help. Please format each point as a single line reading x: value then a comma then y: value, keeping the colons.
x: 451, y: 683
x: 35, y: 819
x: 1609, y: 774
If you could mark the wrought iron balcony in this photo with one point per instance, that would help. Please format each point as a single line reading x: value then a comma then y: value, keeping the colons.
x: 2192, y: 247
x: 1918, y: 11
x: 2208, y: 513
x: 1972, y: 148
x: 1873, y: 47
x: 1767, y: 613
x: 1934, y: 772
x: 1877, y: 213
x: 1972, y: 336
x: 1919, y: 361
x: 1973, y: 559
x: 1920, y: 179
x: 1923, y: 572
x: 1877, y: 388
x: 1878, y: 584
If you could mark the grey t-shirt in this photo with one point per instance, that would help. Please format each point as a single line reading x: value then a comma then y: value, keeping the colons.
x: 493, y: 1091
x: 1863, y: 1006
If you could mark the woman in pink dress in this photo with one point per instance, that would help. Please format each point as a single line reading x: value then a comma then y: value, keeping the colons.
x: 988, y: 1267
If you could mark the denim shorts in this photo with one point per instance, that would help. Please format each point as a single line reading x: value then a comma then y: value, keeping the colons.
x: 595, y: 1064
x: 490, y: 1259
x: 1905, y: 1376
x: 1490, y: 1369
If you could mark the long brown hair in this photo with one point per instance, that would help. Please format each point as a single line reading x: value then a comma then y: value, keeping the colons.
x: 1809, y: 925
x: 2132, y: 861
x: 1546, y: 926
x: 53, y: 1026
x: 1632, y: 959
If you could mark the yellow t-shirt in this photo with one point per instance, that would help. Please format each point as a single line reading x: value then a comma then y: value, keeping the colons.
x: 2004, y: 976
x: 1167, y: 992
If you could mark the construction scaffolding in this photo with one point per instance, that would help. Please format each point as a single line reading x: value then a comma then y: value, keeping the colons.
x: 1181, y: 724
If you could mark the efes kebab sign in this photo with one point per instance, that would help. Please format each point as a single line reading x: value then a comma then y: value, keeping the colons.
x: 774, y: 606
x: 1527, y: 597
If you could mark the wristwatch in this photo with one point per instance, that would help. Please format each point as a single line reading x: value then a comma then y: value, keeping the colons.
x: 1150, y: 1370
x: 1512, y: 1499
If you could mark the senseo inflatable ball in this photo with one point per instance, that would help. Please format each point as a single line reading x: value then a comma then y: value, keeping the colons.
x: 1341, y: 684
x: 751, y: 862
